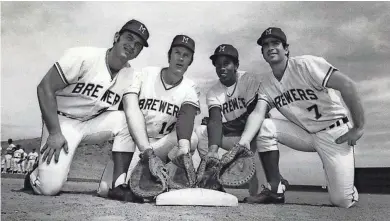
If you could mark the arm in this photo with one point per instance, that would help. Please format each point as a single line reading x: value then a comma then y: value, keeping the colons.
x: 185, y: 125
x: 253, y: 123
x: 349, y: 93
x: 46, y: 89
x: 136, y: 121
x: 214, y: 129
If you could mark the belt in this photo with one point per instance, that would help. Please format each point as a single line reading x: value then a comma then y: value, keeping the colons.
x: 339, y: 122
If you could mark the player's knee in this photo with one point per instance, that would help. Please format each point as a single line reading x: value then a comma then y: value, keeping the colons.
x: 267, y: 129
x: 51, y: 188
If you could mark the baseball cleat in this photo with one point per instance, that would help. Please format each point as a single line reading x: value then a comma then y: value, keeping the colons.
x: 285, y: 183
x: 123, y: 193
x: 266, y: 197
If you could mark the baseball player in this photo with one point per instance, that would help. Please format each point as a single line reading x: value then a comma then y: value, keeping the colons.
x: 160, y: 106
x: 303, y: 89
x: 18, y: 159
x: 75, y: 96
x: 230, y: 101
x: 31, y: 158
x: 8, y: 156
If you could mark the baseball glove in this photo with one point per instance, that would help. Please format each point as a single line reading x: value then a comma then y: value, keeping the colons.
x: 149, y: 177
x: 237, y: 167
x: 181, y: 172
x: 207, y: 174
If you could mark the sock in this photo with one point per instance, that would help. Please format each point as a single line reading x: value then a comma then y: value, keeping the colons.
x: 121, y: 180
x: 281, y: 188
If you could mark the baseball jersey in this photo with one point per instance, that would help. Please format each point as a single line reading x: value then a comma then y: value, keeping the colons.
x: 10, y: 149
x: 18, y: 153
x: 233, y: 100
x: 160, y: 104
x: 32, y: 156
x: 90, y: 89
x: 302, y: 96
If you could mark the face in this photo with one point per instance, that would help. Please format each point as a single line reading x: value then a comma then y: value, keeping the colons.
x: 226, y: 69
x: 127, y: 45
x: 180, y: 59
x: 273, y: 50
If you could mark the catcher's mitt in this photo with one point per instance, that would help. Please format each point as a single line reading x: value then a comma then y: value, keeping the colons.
x: 149, y: 177
x: 237, y: 167
x: 181, y: 172
x: 207, y: 174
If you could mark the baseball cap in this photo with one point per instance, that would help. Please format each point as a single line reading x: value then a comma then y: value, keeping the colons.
x: 137, y: 28
x: 225, y: 49
x: 185, y: 41
x: 272, y: 32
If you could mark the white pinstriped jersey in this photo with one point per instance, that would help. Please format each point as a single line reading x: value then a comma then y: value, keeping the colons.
x: 302, y: 96
x: 18, y: 153
x: 90, y: 89
x: 160, y: 105
x: 233, y: 101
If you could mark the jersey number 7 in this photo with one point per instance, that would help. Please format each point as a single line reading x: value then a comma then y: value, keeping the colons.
x: 168, y: 129
x: 315, y: 108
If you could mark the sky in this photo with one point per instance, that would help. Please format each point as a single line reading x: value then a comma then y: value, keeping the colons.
x: 353, y: 36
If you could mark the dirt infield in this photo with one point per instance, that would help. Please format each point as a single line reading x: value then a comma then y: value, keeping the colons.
x: 79, y: 202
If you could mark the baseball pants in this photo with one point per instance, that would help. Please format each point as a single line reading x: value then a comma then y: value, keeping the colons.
x: 337, y: 159
x: 49, y: 179
x: 8, y: 161
x: 227, y: 144
x: 30, y: 164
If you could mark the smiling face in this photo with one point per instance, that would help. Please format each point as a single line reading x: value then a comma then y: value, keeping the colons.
x: 273, y: 50
x: 179, y: 60
x: 226, y: 70
x: 127, y: 45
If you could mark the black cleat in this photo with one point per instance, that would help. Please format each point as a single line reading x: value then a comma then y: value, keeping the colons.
x: 123, y: 193
x: 266, y: 197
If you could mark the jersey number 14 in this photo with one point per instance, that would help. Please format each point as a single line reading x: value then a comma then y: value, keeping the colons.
x: 167, y: 130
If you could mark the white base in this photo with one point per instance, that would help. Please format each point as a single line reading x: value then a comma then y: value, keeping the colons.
x: 196, y: 197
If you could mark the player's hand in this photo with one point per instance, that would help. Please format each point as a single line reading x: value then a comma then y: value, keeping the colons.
x: 246, y: 144
x: 351, y: 136
x: 54, y: 144
x: 213, y: 152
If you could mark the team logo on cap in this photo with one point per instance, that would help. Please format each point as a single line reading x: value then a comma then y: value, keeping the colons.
x: 221, y: 48
x: 142, y: 29
x: 268, y: 31
x: 185, y: 40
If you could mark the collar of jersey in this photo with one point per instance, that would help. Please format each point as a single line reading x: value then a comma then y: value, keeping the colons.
x: 235, y: 86
x: 109, y: 69
x: 165, y: 86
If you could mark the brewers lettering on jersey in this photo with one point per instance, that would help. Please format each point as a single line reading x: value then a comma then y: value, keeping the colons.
x: 302, y: 96
x: 233, y: 104
x: 160, y: 105
x: 90, y: 89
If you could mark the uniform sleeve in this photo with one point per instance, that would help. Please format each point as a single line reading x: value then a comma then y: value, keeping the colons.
x: 212, y: 100
x: 136, y: 77
x: 69, y: 65
x: 319, y: 71
x: 192, y: 96
x: 262, y: 95
x: 252, y: 83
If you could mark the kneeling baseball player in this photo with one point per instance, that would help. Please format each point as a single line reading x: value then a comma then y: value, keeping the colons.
x: 230, y: 101
x: 303, y: 89
x: 74, y: 98
x: 160, y: 106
